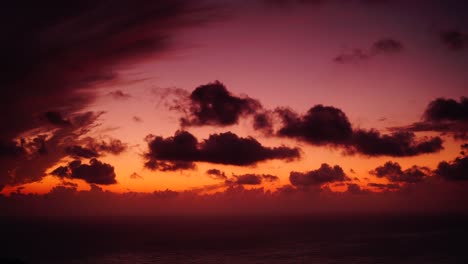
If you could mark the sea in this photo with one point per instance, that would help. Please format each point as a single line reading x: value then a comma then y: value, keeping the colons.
x: 237, y: 239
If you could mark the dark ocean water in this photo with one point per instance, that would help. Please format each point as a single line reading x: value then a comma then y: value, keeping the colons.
x: 236, y: 239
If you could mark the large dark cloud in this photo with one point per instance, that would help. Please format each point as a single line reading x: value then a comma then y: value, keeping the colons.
x: 213, y: 104
x: 456, y: 170
x: 223, y: 148
x: 325, y: 174
x: 445, y: 116
x: 96, y: 172
x: 393, y: 172
x: 320, y: 125
x: 397, y: 144
x: 54, y: 56
x: 329, y: 125
x: 52, y: 50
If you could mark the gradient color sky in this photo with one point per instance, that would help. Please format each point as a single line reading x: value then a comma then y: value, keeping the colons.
x: 361, y: 100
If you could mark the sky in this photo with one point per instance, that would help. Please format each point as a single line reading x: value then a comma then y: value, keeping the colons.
x: 271, y: 105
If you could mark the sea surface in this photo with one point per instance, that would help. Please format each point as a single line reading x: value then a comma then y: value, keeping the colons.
x: 236, y: 239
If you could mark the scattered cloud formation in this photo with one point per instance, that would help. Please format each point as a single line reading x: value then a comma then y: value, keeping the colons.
x: 325, y: 174
x: 453, y: 39
x: 96, y: 172
x: 213, y: 104
x: 223, y: 148
x: 381, y: 46
x: 393, y: 172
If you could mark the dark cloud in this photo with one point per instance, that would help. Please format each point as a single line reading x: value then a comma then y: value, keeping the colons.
x: 393, y: 172
x: 453, y: 39
x: 137, y: 119
x: 263, y: 122
x: 442, y: 109
x: 320, y: 125
x: 381, y: 46
x: 223, y: 148
x: 248, y: 179
x: 27, y: 159
x: 329, y: 125
x: 136, y: 176
x: 456, y: 170
x: 96, y: 172
x: 119, y: 95
x: 354, y: 56
x: 56, y: 118
x: 325, y: 174
x: 81, y: 152
x: 387, y: 45
x: 94, y: 148
x: 384, y: 186
x: 54, y: 57
x: 397, y: 144
x: 169, y: 165
x: 251, y: 179
x: 216, y: 174
x: 213, y: 104
x: 445, y: 116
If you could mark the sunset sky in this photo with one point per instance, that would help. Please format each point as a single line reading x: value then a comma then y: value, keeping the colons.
x: 359, y: 102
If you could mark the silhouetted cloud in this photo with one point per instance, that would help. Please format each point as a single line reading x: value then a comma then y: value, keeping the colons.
x: 56, y: 118
x: 136, y: 176
x: 393, y: 172
x: 213, y: 104
x: 456, y: 170
x: 354, y: 188
x: 94, y: 148
x: 381, y: 46
x: 96, y: 172
x: 325, y: 174
x: 223, y: 148
x: 216, y: 174
x: 169, y: 165
x: 327, y: 125
x: 57, y: 54
x: 119, y: 95
x: 81, y: 152
x: 384, y: 186
x: 397, y: 144
x: 320, y: 125
x: 454, y: 40
x: 445, y: 116
x: 252, y: 179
